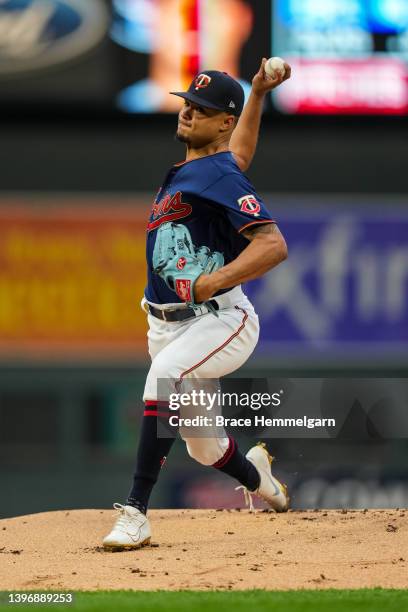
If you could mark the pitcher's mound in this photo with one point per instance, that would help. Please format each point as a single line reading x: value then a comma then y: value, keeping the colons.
x: 208, y: 549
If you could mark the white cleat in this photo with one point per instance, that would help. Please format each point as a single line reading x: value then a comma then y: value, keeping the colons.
x: 270, y: 489
x: 131, y: 530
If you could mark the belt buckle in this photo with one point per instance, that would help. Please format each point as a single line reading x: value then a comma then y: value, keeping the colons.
x: 198, y: 309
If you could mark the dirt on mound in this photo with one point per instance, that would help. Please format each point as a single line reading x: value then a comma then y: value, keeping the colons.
x: 208, y: 549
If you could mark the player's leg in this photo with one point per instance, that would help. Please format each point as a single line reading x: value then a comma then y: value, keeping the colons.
x: 211, y: 347
x: 172, y: 349
x: 152, y: 450
x: 205, y: 347
x: 132, y: 528
x: 219, y: 346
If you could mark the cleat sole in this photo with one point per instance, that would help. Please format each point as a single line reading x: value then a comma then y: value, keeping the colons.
x: 120, y: 547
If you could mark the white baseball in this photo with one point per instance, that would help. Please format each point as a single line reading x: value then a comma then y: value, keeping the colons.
x: 275, y: 66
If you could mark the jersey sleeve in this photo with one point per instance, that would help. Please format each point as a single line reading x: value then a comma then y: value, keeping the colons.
x: 242, y: 205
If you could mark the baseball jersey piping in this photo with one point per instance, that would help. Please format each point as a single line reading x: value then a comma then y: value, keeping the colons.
x: 219, y: 348
x: 260, y: 222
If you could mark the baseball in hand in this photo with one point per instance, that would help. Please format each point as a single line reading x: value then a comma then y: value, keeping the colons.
x: 274, y: 67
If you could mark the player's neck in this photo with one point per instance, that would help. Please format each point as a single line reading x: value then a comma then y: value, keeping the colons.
x: 210, y: 149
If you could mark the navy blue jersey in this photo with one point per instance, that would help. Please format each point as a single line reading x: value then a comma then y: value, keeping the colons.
x: 215, y: 201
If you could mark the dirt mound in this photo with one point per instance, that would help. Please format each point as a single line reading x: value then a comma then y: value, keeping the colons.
x: 208, y: 549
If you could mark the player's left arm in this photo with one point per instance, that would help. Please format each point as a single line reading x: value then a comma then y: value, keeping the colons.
x: 266, y: 249
x: 244, y: 138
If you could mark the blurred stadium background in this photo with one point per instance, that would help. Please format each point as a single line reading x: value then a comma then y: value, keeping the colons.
x: 86, y: 136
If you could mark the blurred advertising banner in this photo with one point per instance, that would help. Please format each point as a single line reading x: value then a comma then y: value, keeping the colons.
x: 71, y: 279
x: 377, y: 86
x: 343, y: 291
x: 39, y: 34
x: 72, y: 274
x: 347, y: 57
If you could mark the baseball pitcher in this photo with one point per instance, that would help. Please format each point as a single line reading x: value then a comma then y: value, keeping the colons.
x: 208, y: 232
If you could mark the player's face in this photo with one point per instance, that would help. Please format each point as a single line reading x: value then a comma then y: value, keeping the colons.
x: 199, y: 126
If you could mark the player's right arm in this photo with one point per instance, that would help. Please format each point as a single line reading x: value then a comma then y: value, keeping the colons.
x: 244, y: 138
x: 266, y: 249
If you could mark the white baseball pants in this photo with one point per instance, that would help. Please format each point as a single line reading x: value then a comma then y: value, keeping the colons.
x: 202, y: 347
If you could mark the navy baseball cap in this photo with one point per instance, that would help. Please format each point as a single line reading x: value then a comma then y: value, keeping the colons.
x: 214, y: 89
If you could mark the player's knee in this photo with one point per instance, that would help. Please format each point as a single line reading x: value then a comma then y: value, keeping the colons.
x: 203, y: 450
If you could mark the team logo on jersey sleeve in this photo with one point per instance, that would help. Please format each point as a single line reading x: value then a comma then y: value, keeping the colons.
x: 203, y: 80
x: 250, y: 205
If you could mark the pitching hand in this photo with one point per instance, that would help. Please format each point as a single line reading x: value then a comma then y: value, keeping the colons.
x: 262, y: 82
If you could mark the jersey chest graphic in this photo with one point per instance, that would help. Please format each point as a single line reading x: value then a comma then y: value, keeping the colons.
x: 169, y: 208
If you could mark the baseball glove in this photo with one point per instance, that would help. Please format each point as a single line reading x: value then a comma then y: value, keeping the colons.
x: 179, y: 263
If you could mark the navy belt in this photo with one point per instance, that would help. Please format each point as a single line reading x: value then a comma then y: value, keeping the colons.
x: 181, y: 314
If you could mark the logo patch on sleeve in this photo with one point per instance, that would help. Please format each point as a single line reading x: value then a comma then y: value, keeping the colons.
x: 250, y: 205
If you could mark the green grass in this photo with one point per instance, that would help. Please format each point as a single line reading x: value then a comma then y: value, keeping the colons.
x: 370, y: 600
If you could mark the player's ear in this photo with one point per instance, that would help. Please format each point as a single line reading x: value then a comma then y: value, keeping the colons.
x: 228, y: 123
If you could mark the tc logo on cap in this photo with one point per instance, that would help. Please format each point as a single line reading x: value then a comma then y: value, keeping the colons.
x: 203, y: 80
